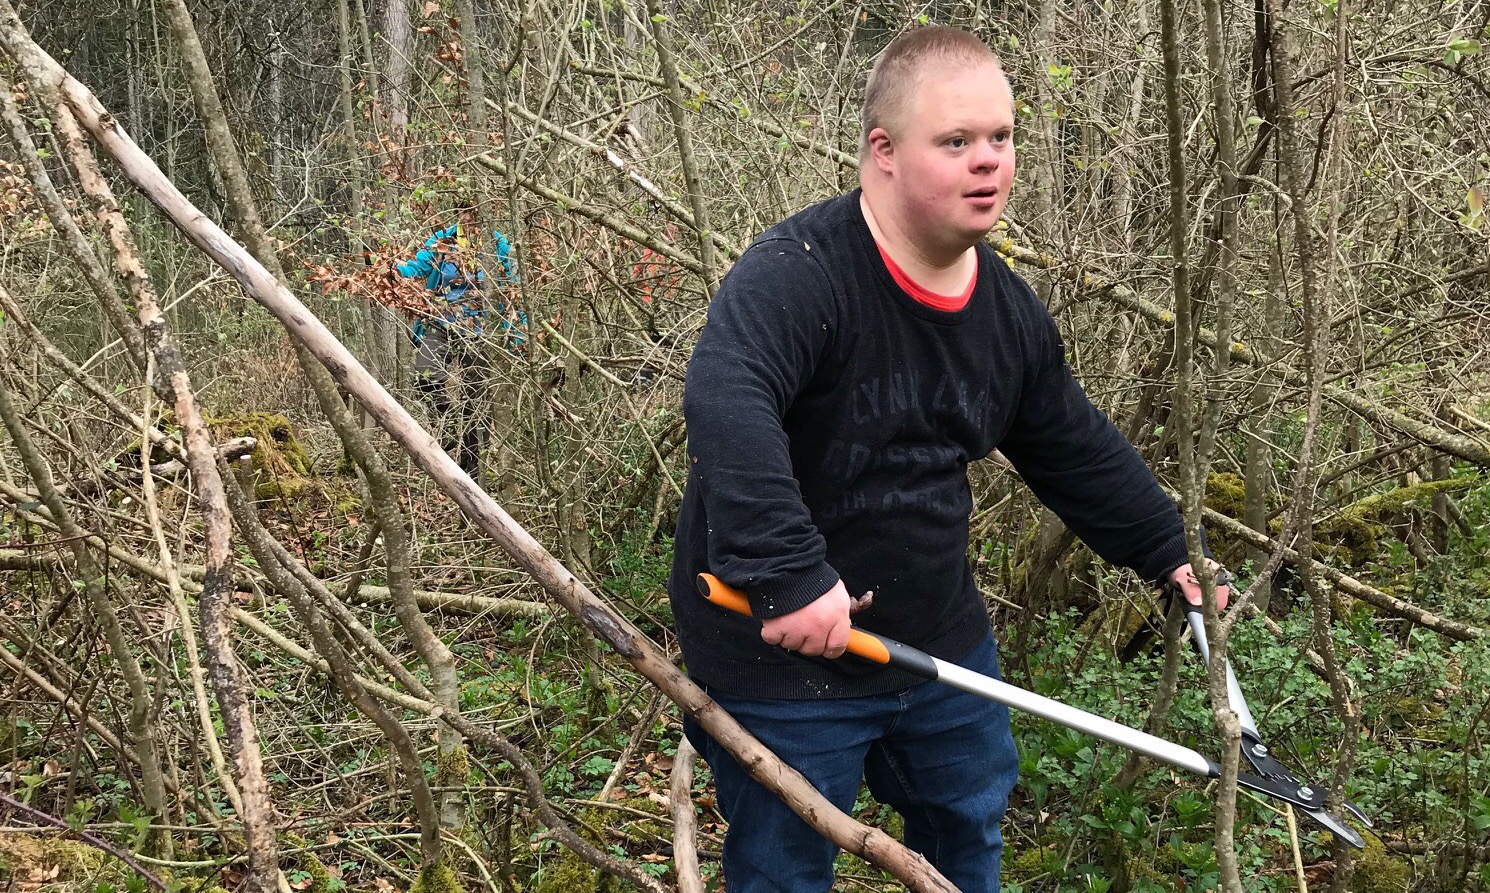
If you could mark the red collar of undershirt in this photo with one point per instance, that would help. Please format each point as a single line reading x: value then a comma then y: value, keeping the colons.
x: 923, y: 295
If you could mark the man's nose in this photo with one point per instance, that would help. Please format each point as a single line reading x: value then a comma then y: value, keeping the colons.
x: 985, y: 158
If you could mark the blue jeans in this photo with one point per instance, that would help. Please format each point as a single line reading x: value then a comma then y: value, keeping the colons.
x: 944, y: 759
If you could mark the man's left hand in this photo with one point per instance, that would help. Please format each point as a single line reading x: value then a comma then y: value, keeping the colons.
x: 1183, y: 577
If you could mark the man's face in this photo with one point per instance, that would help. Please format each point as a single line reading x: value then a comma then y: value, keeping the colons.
x: 952, y: 160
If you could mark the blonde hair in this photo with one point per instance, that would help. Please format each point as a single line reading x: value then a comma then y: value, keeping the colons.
x: 898, y: 71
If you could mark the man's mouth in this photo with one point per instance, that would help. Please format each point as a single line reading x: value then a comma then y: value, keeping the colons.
x: 985, y: 199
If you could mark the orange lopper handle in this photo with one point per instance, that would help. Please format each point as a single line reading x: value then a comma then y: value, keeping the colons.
x: 865, y: 645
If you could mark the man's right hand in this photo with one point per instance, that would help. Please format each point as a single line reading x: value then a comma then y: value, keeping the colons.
x: 820, y: 629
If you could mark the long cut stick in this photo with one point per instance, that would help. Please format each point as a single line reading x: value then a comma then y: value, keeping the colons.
x: 870, y: 844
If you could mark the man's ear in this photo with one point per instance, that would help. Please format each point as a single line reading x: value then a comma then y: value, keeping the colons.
x: 882, y: 150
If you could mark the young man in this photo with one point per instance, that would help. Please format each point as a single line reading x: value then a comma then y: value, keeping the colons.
x: 857, y: 357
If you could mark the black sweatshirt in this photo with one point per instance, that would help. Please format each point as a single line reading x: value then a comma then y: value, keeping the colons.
x: 831, y: 419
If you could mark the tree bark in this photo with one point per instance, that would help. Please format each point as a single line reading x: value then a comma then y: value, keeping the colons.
x: 684, y: 137
x: 77, y: 244
x: 1130, y: 158
x: 278, y: 124
x: 685, y: 823
x: 1316, y: 291
x: 220, y: 143
x: 195, y: 671
x: 391, y: 89
x: 1048, y: 190
x: 475, y: 72
x: 398, y: 31
x: 1193, y: 458
x: 348, y: 100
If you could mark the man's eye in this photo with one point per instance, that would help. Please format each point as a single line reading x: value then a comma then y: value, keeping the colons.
x: 956, y: 142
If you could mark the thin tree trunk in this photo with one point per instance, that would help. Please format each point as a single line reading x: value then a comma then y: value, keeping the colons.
x: 641, y: 117
x: 220, y: 143
x: 348, y: 97
x: 1131, y: 158
x: 1316, y: 289
x: 475, y: 72
x: 355, y: 181
x: 398, y: 30
x: 497, y: 422
x: 1258, y: 468
x: 194, y: 668
x: 77, y: 244
x: 369, y: 65
x: 1341, y: 687
x: 160, y: 63
x: 213, y: 604
x: 1223, y: 275
x: 1192, y: 462
x: 684, y: 137
x: 685, y: 823
x: 136, y: 70
x: 1047, y: 177
x: 278, y: 124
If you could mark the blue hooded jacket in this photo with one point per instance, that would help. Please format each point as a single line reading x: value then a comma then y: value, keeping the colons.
x: 444, y: 277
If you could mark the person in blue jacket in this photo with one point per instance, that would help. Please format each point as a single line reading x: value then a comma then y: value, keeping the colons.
x: 453, y: 264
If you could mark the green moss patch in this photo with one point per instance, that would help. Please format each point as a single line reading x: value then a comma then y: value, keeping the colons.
x: 281, y: 466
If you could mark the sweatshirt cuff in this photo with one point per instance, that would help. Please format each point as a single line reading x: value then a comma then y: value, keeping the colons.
x: 791, y: 592
x: 1171, y: 554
